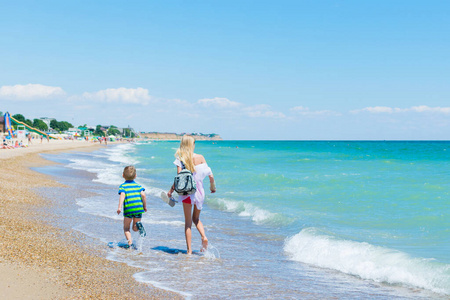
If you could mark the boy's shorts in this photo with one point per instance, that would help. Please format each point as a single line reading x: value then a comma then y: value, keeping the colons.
x: 131, y: 216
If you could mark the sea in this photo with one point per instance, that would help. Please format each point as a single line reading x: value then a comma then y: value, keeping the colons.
x: 289, y: 220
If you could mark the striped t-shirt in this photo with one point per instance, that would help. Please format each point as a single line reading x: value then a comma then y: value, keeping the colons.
x: 133, y: 201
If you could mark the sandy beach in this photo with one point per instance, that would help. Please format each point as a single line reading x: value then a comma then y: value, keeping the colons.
x: 41, y: 261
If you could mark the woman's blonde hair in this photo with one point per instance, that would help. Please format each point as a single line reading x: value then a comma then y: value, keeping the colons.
x: 186, y: 152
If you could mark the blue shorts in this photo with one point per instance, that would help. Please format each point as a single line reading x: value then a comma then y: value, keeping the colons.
x: 131, y: 216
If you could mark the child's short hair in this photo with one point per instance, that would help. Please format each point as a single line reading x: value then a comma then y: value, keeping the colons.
x: 129, y: 173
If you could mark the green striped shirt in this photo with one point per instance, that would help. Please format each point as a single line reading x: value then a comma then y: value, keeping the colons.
x: 133, y: 201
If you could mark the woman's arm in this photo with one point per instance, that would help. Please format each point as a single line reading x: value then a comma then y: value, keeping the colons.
x: 172, y: 188
x: 169, y: 193
x: 212, y: 183
x: 201, y: 160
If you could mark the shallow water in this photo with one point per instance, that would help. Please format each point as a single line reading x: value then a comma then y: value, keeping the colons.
x: 289, y: 220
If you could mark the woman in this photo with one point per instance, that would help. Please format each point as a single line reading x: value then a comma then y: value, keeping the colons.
x: 196, y: 163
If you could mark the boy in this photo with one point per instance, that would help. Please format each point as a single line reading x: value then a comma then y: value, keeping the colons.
x: 134, y: 202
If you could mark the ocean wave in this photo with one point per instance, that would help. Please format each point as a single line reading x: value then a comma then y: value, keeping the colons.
x: 107, y: 165
x: 368, y: 261
x: 99, y: 206
x: 258, y: 215
x: 106, y: 173
x: 118, y: 154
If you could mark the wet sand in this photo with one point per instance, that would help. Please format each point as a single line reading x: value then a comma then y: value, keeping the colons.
x: 41, y: 261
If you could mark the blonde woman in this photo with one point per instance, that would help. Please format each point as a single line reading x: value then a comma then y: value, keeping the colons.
x: 196, y: 163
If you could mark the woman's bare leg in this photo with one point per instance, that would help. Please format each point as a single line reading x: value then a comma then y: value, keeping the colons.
x: 187, y: 226
x: 200, y: 228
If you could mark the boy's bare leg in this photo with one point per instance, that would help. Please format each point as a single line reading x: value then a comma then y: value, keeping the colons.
x: 134, y: 223
x: 200, y: 228
x: 126, y: 229
x: 187, y: 226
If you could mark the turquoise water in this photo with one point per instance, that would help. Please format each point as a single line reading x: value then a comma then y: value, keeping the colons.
x: 393, y: 194
x: 374, y: 216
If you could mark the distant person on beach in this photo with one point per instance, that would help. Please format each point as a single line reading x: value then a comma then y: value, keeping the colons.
x: 42, y: 138
x: 5, y: 144
x: 196, y: 163
x: 134, y: 203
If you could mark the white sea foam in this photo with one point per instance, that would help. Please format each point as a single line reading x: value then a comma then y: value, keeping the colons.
x: 212, y: 252
x: 244, y: 209
x: 117, y: 154
x: 368, y: 261
x: 107, y: 173
x: 110, y: 176
x: 141, y: 277
x: 149, y: 190
x: 100, y: 206
x: 170, y: 223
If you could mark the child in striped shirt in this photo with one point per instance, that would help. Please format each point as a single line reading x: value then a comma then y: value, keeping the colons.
x: 133, y: 200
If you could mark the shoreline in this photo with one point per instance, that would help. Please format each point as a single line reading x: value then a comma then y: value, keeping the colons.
x: 41, y: 261
x: 166, y: 136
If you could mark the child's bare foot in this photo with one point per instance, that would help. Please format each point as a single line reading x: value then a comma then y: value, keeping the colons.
x: 204, y: 245
x: 130, y: 242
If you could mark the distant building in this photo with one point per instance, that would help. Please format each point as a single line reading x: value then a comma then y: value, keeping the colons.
x: 47, y: 121
x: 128, y: 130
x: 87, y: 130
x: 51, y: 131
x: 74, y: 131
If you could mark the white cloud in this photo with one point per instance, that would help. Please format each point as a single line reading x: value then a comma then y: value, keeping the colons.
x: 239, y: 109
x: 375, y: 110
x: 83, y: 107
x: 30, y: 92
x: 120, y: 95
x: 178, y: 102
x: 262, y: 110
x: 424, y: 108
x: 219, y: 102
x: 390, y: 110
x: 300, y: 109
x: 305, y: 111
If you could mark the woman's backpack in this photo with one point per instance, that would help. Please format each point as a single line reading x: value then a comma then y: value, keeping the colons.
x: 184, y: 182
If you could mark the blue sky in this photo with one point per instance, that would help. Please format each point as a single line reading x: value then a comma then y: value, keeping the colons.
x: 243, y: 69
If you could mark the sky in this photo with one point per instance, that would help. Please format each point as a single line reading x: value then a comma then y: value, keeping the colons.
x: 266, y: 70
